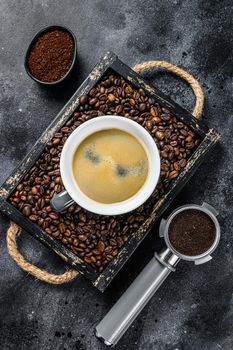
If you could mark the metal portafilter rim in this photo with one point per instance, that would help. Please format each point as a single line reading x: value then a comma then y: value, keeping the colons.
x: 205, y: 208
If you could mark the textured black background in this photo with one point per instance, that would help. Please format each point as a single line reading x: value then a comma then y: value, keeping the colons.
x: 194, y: 309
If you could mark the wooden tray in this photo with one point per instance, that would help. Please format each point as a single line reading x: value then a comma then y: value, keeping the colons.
x: 208, y: 136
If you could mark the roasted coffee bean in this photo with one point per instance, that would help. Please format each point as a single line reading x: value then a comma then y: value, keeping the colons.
x: 96, y: 238
x: 154, y: 111
x: 67, y: 233
x: 33, y: 217
x: 164, y: 154
x: 64, y: 240
x: 92, y: 101
x: 76, y: 242
x: 120, y: 242
x: 34, y: 189
x: 53, y: 215
x: 55, y: 142
x: 128, y: 89
x: 142, y: 107
x: 96, y: 252
x: 83, y: 99
x: 62, y: 227
x: 55, y: 233
x: 173, y: 174
x: 82, y: 217
x: 108, y: 249
x: 113, y: 242
x: 87, y: 260
x: 100, y: 246
x: 111, y: 98
x: 190, y: 145
x: 82, y: 238
x: 159, y: 135
x: 115, y: 252
x: 183, y: 163
x: 26, y: 210
x: 176, y: 166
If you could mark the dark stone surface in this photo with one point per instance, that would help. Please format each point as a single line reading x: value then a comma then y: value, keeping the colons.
x: 194, y: 309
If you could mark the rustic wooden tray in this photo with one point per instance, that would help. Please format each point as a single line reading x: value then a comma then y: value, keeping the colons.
x: 208, y: 136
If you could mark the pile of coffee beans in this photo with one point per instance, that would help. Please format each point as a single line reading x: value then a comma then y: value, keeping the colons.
x: 98, y: 239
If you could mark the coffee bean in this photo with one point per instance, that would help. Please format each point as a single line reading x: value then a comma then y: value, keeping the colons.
x: 149, y: 125
x: 109, y: 257
x: 55, y: 142
x: 53, y: 215
x: 96, y: 251
x: 82, y: 245
x: 115, y: 252
x: 93, y: 101
x: 125, y: 238
x: 55, y: 233
x: 159, y: 135
x: 76, y: 242
x: 132, y: 102
x: 113, y: 242
x: 154, y: 112
x: 67, y: 233
x: 128, y: 89
x: 164, y: 154
x: 82, y: 217
x: 100, y: 246
x: 82, y: 238
x: 142, y: 107
x: 120, y: 242
x: 173, y: 174
x: 190, y: 145
x: 111, y: 98
x: 83, y: 99
x: 176, y: 166
x: 108, y: 249
x: 33, y: 217
x: 26, y: 210
x: 34, y: 190
x: 119, y: 109
x: 183, y: 163
x: 93, y: 259
x: 62, y: 227
x: 87, y: 260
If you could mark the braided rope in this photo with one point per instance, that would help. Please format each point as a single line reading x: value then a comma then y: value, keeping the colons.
x: 14, y: 230
x: 197, y: 112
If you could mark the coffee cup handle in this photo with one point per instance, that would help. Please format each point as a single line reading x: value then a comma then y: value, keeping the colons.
x: 61, y: 201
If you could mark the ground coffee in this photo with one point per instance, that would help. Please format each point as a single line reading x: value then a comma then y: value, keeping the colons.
x: 192, y: 232
x: 51, y: 56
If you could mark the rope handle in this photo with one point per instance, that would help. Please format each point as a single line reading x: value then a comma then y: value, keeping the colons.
x: 198, y: 92
x: 14, y: 230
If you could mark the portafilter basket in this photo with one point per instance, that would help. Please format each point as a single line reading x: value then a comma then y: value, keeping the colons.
x: 130, y: 304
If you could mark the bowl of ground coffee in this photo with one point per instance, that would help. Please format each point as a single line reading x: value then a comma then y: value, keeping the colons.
x: 51, y: 55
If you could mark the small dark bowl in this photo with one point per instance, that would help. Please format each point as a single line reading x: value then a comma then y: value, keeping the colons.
x: 43, y: 31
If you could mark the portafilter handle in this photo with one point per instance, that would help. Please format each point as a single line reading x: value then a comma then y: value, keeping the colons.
x: 128, y: 307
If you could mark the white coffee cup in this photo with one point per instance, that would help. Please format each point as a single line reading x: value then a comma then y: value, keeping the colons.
x: 72, y: 191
